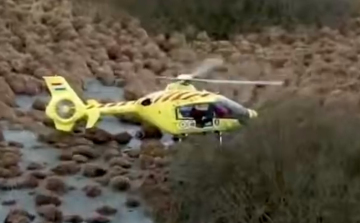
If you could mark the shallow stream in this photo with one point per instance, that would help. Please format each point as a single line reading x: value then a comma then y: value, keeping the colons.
x: 74, y: 202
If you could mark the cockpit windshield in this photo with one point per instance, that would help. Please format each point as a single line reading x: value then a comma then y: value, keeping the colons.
x: 222, y: 108
x: 226, y: 108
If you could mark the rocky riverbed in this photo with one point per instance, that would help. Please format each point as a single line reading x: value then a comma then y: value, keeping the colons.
x: 94, y: 176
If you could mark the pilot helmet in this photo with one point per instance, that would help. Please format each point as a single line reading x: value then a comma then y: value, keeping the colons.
x: 202, y: 106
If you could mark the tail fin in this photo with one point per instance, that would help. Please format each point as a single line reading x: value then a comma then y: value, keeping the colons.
x: 66, y: 107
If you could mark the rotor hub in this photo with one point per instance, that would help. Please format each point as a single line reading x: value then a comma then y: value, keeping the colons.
x: 184, y: 77
x: 65, y: 109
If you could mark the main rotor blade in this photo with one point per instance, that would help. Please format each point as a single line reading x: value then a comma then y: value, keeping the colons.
x: 239, y: 82
x: 168, y: 78
x: 206, y: 66
x: 227, y: 81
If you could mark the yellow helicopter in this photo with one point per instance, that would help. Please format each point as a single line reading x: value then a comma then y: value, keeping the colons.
x: 179, y: 110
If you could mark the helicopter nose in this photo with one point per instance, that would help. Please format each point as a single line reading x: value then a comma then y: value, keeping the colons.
x: 246, y: 116
x: 252, y: 113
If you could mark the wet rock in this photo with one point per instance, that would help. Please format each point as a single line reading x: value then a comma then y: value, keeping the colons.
x: 97, y: 219
x: 37, y: 116
x: 20, y: 113
x: 55, y: 137
x: 120, y: 161
x: 80, y: 158
x: 10, y: 185
x: 92, y: 190
x: 24, y: 84
x: 34, y: 166
x: 39, y: 174
x: 56, y: 184
x: 39, y: 104
x: 106, y: 210
x: 98, y: 136
x: 15, y: 171
x: 111, y: 153
x: 66, y: 155
x: 86, y: 151
x: 9, y: 159
x: 94, y: 170
x: 123, y: 138
x: 150, y: 132
x: 8, y: 202
x: 153, y: 148
x: 135, y: 175
x: 161, y: 162
x: 104, y: 180
x: 129, y: 118
x: 120, y: 183
x: 30, y: 182
x: 146, y: 161
x: 66, y: 168
x: 120, y: 83
x: 111, y: 145
x: 130, y: 95
x: 15, y: 144
x: 22, y: 123
x: 73, y: 219
x: 105, y: 75
x: 10, y: 172
x: 6, y: 94
x: 117, y: 171
x: 132, y: 202
x: 45, y: 198
x: 6, y: 112
x: 19, y: 216
x: 133, y: 153
x: 2, y: 138
x: 48, y: 122
x: 51, y: 213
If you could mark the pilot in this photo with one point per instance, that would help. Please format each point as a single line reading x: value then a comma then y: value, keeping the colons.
x: 202, y: 115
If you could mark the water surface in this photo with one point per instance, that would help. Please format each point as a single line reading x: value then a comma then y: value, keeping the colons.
x: 74, y: 202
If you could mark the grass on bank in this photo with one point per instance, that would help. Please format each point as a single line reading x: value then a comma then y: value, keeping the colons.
x: 299, y: 162
x: 221, y: 19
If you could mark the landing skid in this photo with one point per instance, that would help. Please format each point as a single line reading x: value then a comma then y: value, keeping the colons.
x: 219, y: 137
x: 180, y: 138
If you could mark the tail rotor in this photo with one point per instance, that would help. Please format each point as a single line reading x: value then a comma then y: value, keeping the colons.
x: 66, y: 108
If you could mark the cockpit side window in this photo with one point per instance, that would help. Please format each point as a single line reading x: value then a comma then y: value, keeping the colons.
x: 187, y: 111
x: 225, y: 108
x: 221, y: 111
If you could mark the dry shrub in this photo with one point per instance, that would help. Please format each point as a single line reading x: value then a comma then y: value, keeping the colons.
x: 299, y: 162
x: 102, y: 11
x: 221, y: 18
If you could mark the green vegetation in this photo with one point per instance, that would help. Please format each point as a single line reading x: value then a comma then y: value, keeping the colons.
x: 299, y: 162
x: 222, y: 18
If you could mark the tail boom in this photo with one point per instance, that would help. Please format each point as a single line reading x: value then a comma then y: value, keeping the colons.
x: 117, y: 108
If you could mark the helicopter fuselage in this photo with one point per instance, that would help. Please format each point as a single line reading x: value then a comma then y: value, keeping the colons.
x: 174, y: 110
x: 170, y: 111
